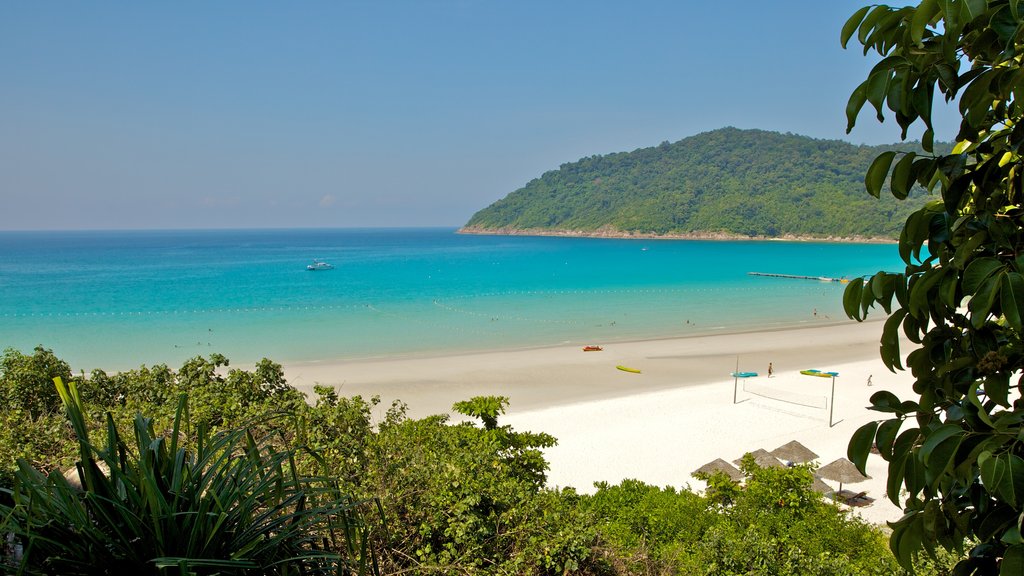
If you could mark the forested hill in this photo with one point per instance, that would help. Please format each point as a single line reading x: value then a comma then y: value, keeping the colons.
x: 726, y: 182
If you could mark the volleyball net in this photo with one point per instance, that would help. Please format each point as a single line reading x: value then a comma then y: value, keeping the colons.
x: 786, y: 394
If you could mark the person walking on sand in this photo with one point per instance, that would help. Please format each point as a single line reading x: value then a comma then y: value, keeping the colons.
x: 769, y: 369
x: 869, y: 379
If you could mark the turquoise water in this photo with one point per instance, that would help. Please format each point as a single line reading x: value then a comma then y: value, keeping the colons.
x: 117, y: 300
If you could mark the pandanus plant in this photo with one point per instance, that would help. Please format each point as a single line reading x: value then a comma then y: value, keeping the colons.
x: 227, y: 504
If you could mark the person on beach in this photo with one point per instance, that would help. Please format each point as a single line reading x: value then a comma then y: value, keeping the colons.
x: 769, y: 369
x: 869, y: 379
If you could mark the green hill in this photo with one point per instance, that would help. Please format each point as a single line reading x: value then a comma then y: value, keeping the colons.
x: 725, y: 183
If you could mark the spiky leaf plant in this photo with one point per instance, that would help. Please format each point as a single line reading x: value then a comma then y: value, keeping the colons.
x: 229, y: 504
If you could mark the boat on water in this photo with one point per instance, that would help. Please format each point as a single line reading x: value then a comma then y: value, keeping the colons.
x: 592, y: 348
x: 319, y: 265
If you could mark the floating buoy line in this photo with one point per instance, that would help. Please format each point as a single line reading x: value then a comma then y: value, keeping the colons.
x: 455, y: 304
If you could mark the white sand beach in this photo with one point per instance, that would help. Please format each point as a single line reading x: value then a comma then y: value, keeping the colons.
x: 661, y: 424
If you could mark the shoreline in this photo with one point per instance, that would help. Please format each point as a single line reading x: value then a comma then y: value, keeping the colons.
x: 612, y: 233
x: 541, y: 377
x: 661, y: 424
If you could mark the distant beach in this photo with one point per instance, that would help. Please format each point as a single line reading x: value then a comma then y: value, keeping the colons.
x: 606, y: 232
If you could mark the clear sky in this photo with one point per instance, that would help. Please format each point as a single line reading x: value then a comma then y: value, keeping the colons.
x: 382, y: 113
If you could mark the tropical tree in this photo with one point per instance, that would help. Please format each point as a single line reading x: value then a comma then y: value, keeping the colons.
x: 955, y: 452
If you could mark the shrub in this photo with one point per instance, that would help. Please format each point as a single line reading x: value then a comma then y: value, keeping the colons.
x: 230, y: 505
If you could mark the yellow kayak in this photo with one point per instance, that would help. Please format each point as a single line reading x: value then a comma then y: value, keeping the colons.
x: 819, y: 373
x: 628, y: 369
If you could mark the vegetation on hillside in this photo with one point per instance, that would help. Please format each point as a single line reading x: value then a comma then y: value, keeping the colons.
x: 727, y: 181
x: 360, y: 488
x: 956, y: 459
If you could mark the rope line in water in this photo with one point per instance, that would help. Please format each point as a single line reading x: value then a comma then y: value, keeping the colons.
x: 448, y: 307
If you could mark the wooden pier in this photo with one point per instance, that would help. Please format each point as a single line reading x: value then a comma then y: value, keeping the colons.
x: 797, y: 277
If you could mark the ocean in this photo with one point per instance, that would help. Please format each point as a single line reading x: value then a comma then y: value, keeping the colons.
x: 118, y: 300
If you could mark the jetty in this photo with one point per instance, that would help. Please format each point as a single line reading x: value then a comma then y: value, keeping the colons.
x: 798, y: 277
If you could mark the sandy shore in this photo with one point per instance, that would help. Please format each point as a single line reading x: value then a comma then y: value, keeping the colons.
x: 660, y: 425
x: 610, y: 232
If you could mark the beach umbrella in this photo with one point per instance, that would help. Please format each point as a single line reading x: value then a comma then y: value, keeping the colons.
x: 842, y: 471
x: 794, y: 451
x: 819, y: 486
x: 762, y: 458
x: 719, y: 465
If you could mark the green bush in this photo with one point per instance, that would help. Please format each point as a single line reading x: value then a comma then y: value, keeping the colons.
x: 468, y: 498
x: 230, y: 505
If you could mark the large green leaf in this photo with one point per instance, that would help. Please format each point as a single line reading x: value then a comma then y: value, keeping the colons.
x: 868, y: 25
x: 1011, y: 299
x: 890, y: 342
x: 947, y: 289
x: 926, y: 10
x: 997, y: 388
x: 937, y: 437
x: 1003, y: 475
x: 852, y: 297
x: 903, y: 177
x: 971, y: 9
x: 886, y: 435
x: 853, y: 106
x: 921, y: 293
x: 983, y: 300
x: 879, y: 169
x: 851, y: 25
x: 906, y: 538
x: 860, y: 445
x: 1013, y: 561
x: 938, y: 452
x: 884, y: 401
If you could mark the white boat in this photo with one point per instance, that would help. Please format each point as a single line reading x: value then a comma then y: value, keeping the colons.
x: 319, y: 265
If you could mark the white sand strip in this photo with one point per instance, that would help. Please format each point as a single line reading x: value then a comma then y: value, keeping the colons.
x: 661, y: 424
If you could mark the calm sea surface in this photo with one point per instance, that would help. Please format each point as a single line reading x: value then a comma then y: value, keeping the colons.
x: 117, y: 300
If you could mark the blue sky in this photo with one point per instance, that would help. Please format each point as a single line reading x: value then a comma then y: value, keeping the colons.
x: 382, y: 113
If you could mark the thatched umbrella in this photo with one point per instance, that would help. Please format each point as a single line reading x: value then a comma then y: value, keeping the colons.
x: 819, y: 486
x: 794, y: 451
x: 719, y: 465
x: 762, y: 458
x: 842, y: 470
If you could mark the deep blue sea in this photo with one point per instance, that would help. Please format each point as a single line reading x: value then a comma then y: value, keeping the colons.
x: 117, y: 300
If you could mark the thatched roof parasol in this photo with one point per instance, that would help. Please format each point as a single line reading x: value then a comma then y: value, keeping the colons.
x: 819, y: 486
x: 842, y: 470
x: 794, y: 451
x: 719, y: 465
x: 762, y: 458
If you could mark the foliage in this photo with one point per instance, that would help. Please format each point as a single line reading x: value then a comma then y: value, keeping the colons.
x: 26, y: 382
x: 31, y: 426
x: 740, y: 182
x: 466, y: 498
x: 775, y: 525
x: 646, y: 526
x: 459, y: 497
x: 486, y: 408
x: 955, y: 456
x: 231, y: 505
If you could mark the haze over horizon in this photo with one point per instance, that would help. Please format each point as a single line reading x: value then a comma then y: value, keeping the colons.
x: 354, y: 114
